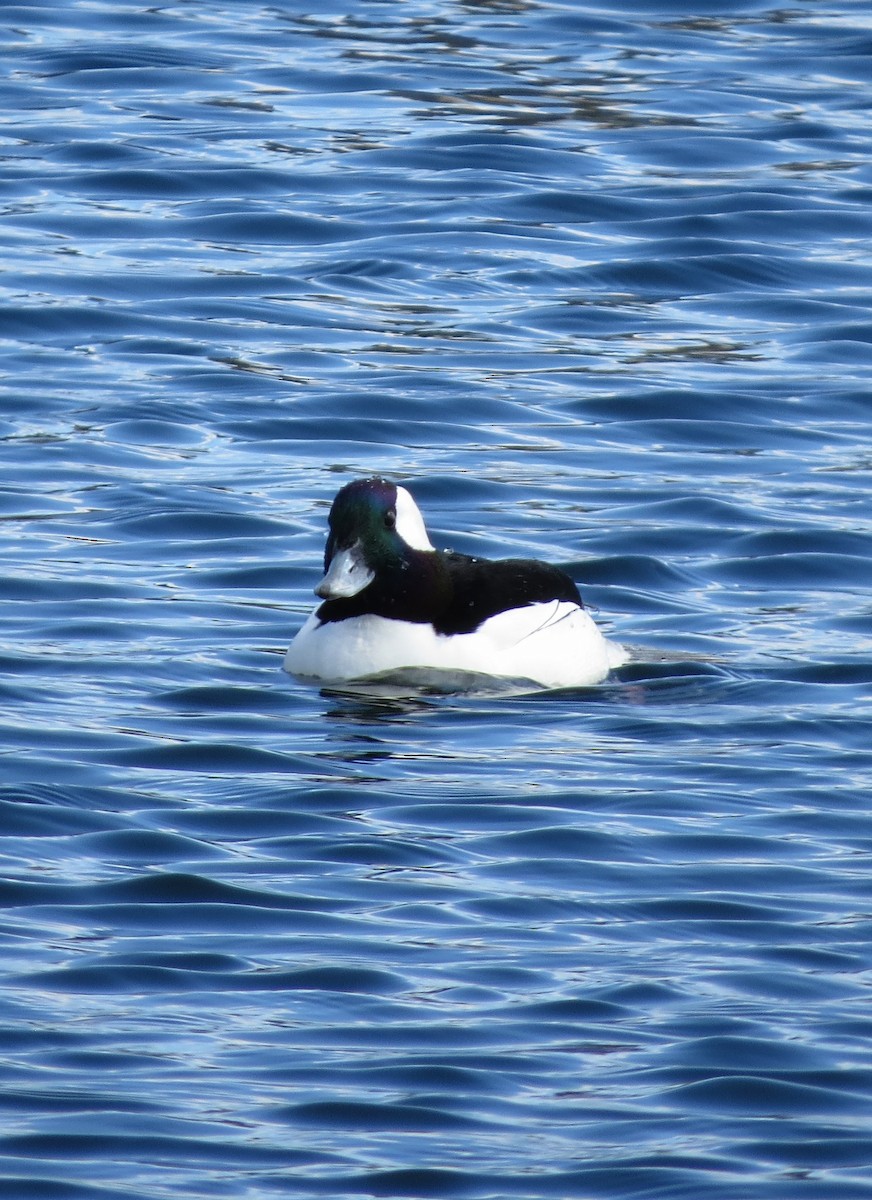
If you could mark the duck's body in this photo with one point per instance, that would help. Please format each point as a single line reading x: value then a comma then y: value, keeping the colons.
x: 393, y: 604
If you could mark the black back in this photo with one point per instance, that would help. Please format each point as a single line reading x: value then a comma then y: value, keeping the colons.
x: 453, y: 592
x: 481, y: 588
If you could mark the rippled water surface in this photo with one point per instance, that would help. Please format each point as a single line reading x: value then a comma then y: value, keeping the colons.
x: 595, y: 282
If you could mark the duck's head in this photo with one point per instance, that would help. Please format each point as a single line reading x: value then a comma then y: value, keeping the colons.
x: 373, y: 523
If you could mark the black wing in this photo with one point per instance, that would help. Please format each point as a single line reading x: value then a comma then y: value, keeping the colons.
x: 481, y: 588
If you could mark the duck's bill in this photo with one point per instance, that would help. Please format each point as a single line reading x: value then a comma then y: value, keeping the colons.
x: 347, y: 575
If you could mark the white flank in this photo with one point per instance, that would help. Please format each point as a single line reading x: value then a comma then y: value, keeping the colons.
x: 555, y: 644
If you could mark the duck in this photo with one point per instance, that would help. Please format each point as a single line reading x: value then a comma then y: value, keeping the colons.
x: 393, y: 606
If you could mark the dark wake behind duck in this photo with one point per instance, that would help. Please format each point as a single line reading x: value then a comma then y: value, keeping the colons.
x: 393, y: 604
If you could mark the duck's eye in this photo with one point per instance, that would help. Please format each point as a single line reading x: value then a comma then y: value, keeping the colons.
x: 390, y: 518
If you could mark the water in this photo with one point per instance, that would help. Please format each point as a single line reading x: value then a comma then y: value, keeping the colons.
x: 595, y: 283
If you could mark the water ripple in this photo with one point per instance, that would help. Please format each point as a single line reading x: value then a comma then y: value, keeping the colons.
x: 596, y: 286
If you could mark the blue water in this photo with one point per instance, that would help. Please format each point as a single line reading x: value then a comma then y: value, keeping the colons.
x: 596, y: 283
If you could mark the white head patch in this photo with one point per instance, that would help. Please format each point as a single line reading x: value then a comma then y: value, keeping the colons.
x: 410, y: 523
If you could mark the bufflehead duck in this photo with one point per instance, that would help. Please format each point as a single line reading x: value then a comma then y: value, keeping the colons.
x: 394, y: 605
